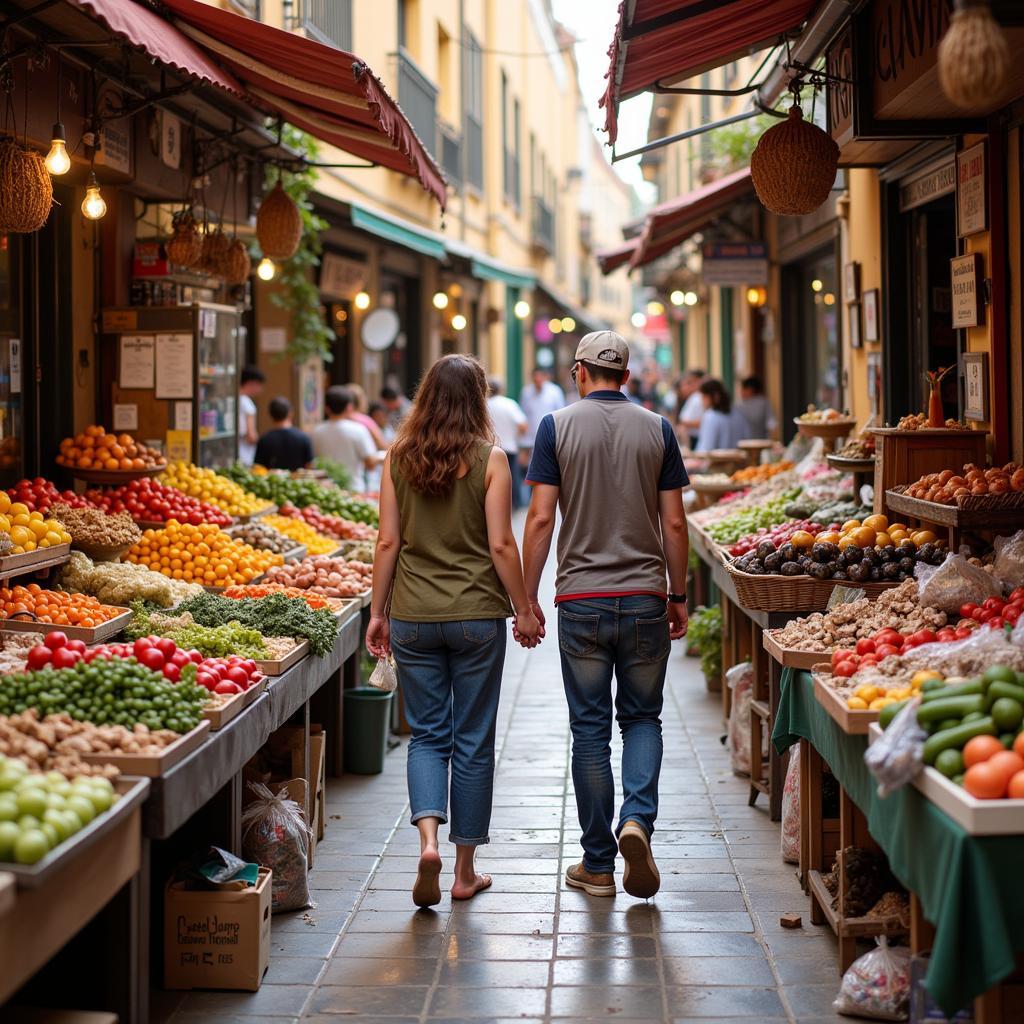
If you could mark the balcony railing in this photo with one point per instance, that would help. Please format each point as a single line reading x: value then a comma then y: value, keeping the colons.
x: 451, y: 153
x: 329, y: 21
x: 250, y: 8
x: 474, y: 152
x: 543, y: 233
x: 417, y: 96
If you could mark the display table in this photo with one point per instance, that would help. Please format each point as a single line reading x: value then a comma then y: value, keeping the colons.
x: 969, y: 887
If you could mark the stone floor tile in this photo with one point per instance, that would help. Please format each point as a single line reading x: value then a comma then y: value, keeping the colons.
x: 720, y: 1000
x: 745, y: 971
x: 349, y: 1000
x: 607, y: 971
x: 463, y: 1003
x: 709, y: 944
x: 590, y: 946
x: 704, y: 921
x: 505, y: 973
x: 635, y: 921
x: 269, y: 1001
x: 812, y: 1000
x: 625, y: 1002
x: 357, y: 972
x: 474, y: 946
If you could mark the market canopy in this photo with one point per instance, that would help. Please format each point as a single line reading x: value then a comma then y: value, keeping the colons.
x: 320, y: 89
x: 611, y: 259
x: 666, y: 41
x: 674, y: 221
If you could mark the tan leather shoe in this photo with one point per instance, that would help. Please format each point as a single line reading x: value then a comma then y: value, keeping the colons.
x: 593, y: 885
x: 641, y: 877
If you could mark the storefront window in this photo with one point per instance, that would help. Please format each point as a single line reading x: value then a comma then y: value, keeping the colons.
x: 11, y: 361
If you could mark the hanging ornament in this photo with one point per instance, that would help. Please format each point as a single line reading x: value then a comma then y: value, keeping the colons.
x: 278, y: 224
x: 974, y: 57
x: 26, y: 191
x: 236, y: 265
x: 793, y: 166
x: 185, y: 247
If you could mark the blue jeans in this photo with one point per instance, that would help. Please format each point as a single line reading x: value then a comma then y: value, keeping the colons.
x: 450, y: 675
x: 627, y: 636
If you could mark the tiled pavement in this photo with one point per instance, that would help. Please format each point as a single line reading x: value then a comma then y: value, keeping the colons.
x: 708, y: 948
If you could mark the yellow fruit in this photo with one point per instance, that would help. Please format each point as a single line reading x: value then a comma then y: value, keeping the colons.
x: 802, y: 539
x: 18, y: 509
x: 832, y: 537
x: 879, y: 523
x: 850, y: 524
x: 867, y: 692
x: 920, y: 678
x: 856, y: 704
x: 882, y: 539
x: 880, y: 702
x: 923, y: 537
x: 898, y: 528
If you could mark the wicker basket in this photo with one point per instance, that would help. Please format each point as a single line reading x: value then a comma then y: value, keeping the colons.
x: 278, y: 225
x: 793, y: 166
x: 772, y: 593
x: 974, y: 58
x: 26, y: 191
x: 215, y: 247
x: 185, y: 247
x: 102, y: 552
x: 236, y: 264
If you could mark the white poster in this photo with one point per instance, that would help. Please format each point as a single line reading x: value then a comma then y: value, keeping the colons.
x: 136, y: 361
x: 182, y: 415
x: 15, y: 365
x: 273, y: 339
x: 126, y: 416
x: 174, y: 366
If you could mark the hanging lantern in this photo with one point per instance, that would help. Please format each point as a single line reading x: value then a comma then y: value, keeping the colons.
x: 185, y: 248
x: 236, y: 265
x: 793, y: 166
x: 26, y: 191
x: 974, y: 57
x: 278, y: 224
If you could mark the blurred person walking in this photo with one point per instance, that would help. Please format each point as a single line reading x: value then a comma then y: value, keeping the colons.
x: 284, y: 446
x: 344, y: 439
x: 722, y: 425
x: 250, y: 386
x: 756, y: 408
x: 691, y: 406
x: 510, y: 425
x: 538, y: 398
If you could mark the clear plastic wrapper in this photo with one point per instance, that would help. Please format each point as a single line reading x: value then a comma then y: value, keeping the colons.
x: 897, y: 756
x: 877, y: 985
x: 954, y: 583
x: 791, y: 808
x: 384, y: 676
x: 1009, y: 561
x: 740, y: 679
x: 275, y: 835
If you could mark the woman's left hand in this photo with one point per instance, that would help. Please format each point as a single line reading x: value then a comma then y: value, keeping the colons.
x: 378, y: 636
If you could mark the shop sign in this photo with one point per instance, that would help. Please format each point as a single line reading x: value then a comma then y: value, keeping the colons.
x: 115, y: 149
x: 939, y: 181
x: 14, y: 365
x: 137, y: 362
x: 971, y: 211
x: 170, y: 140
x: 967, y: 309
x: 735, y: 263
x: 340, y: 277
x: 975, y: 374
x: 905, y: 36
x: 311, y: 397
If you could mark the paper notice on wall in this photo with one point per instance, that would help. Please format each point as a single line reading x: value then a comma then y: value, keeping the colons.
x: 174, y: 366
x: 126, y: 416
x: 136, y: 362
x: 273, y: 339
x: 179, y: 445
x: 14, y: 365
x: 182, y: 415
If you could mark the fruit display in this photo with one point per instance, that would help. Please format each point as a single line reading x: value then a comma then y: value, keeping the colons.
x: 54, y: 606
x: 745, y: 521
x: 301, y: 532
x: 148, y: 501
x: 332, y: 577
x: 201, y: 554
x: 94, y: 528
x: 95, y: 449
x: 858, y: 448
x: 209, y: 641
x: 815, y: 415
x: 744, y: 501
x: 263, y: 536
x: 258, y: 590
x: 121, y: 583
x: 361, y: 553
x: 994, y: 612
x: 331, y: 526
x: 14, y: 648
x: 758, y: 474
x: 27, y: 530
x: 39, y: 494
x: 946, y: 487
x: 890, y: 643
x: 778, y: 535
x: 825, y: 513
x: 337, y: 473
x: 212, y: 489
x: 40, y: 811
x: 919, y: 421
x: 875, y: 531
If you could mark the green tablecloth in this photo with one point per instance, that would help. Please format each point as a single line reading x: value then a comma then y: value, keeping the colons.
x: 970, y: 887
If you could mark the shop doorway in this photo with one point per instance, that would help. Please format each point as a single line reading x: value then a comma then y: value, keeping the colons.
x: 339, y: 319
x: 403, y: 360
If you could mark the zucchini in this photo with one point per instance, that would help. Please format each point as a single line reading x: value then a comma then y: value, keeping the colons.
x: 960, y: 690
x: 955, y: 739
x: 949, y: 707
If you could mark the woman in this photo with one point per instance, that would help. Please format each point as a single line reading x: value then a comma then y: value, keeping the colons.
x: 361, y: 416
x: 447, y: 562
x: 721, y: 426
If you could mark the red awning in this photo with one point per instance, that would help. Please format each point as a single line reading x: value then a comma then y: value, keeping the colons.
x: 669, y: 40
x: 324, y: 91
x: 611, y: 259
x: 675, y: 221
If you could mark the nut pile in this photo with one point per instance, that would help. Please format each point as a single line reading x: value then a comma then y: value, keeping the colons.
x: 14, y: 648
x: 55, y: 742
x: 97, y: 528
x: 846, y: 623
x: 858, y: 449
x: 919, y: 421
x: 264, y: 538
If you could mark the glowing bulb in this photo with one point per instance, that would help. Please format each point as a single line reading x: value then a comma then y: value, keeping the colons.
x: 690, y: 298
x: 93, y: 205
x: 677, y: 297
x: 521, y: 309
x: 362, y: 300
x: 756, y: 296
x: 816, y: 285
x: 830, y: 299
x: 458, y: 322
x: 655, y: 308
x: 57, y: 160
x: 265, y: 269
x: 638, y: 320
x: 440, y: 300
x: 568, y: 324
x: 555, y: 325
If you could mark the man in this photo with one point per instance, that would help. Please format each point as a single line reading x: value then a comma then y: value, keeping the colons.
x: 510, y: 425
x: 536, y: 400
x: 615, y: 472
x: 692, y: 410
x: 284, y: 446
x: 396, y: 404
x: 250, y: 385
x: 343, y: 439
x: 756, y: 408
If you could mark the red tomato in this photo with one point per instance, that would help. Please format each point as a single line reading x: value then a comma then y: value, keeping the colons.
x: 962, y: 632
x: 841, y: 655
x: 65, y: 658
x: 887, y: 636
x: 181, y: 659
x: 1011, y: 613
x: 865, y: 646
x: 994, y: 603
x: 38, y: 657
x: 923, y: 636
x: 76, y: 645
x: 172, y: 671
x: 227, y: 687
x: 140, y: 646
x: 1017, y: 595
x: 984, y: 782
x: 984, y: 616
x: 844, y: 669
x: 885, y: 650
x: 869, y: 659
x: 207, y: 680
x: 968, y: 611
x: 56, y: 640
x: 166, y: 647
x: 238, y: 675
x: 153, y: 658
x: 996, y: 622
x: 945, y: 635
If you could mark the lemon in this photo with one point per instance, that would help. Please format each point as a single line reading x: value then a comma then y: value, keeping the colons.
x: 856, y: 704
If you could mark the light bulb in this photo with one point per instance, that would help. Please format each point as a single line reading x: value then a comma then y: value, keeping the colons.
x: 677, y: 297
x: 690, y: 298
x: 638, y: 320
x: 568, y: 324
x: 57, y: 160
x: 362, y: 300
x: 440, y: 300
x: 93, y: 205
x: 458, y: 322
x: 265, y: 269
x: 816, y: 285
x: 555, y: 325
x: 521, y: 309
x: 830, y: 299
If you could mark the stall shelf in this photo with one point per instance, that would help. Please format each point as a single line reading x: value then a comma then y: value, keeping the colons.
x: 968, y: 886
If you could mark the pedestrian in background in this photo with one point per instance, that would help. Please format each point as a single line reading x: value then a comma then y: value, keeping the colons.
x: 722, y: 425
x: 379, y: 414
x: 509, y: 425
x: 250, y: 385
x: 284, y: 446
x: 344, y: 439
x: 538, y: 398
x: 691, y: 409
x: 361, y: 414
x: 446, y: 562
x: 756, y: 408
x: 396, y: 404
x: 615, y: 472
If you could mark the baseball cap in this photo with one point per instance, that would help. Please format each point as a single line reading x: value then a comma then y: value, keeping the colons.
x: 603, y: 348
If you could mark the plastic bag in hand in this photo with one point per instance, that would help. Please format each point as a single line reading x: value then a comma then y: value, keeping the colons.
x: 384, y: 676
x: 897, y: 756
x: 877, y: 985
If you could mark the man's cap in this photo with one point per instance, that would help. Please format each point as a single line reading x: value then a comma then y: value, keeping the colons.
x: 603, y: 348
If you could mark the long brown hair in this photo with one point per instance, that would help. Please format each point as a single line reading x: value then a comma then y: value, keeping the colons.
x: 445, y: 427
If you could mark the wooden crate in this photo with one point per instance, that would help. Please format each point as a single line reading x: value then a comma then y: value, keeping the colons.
x: 789, y: 657
x: 280, y: 666
x: 851, y: 721
x: 89, y: 634
x: 152, y: 766
x: 219, y: 716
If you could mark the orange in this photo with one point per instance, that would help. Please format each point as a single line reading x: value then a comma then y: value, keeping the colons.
x: 985, y: 781
x: 1007, y: 762
x: 1015, y: 790
x: 1018, y: 744
x: 980, y: 749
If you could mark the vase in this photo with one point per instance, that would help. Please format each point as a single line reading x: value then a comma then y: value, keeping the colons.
x: 936, y: 417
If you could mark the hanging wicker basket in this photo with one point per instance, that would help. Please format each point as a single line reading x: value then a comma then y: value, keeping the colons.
x: 185, y: 248
x: 215, y: 247
x: 793, y: 166
x: 278, y: 225
x: 974, y: 58
x: 236, y: 264
x: 26, y: 191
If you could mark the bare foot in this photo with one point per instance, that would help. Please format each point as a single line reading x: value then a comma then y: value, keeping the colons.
x: 467, y: 890
x: 427, y: 890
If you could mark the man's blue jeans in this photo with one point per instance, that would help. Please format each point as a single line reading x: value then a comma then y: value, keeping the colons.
x: 450, y: 675
x: 630, y: 637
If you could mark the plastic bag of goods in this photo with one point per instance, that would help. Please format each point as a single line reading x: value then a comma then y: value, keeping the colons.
x: 877, y: 985
x: 1009, y: 561
x: 740, y: 679
x: 954, y: 583
x: 898, y: 756
x: 383, y: 677
x: 275, y: 835
x: 791, y: 808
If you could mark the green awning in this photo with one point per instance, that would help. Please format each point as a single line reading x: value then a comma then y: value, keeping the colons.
x: 489, y: 270
x: 399, y: 232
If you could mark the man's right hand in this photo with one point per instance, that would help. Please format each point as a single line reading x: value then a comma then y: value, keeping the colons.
x: 539, y: 612
x: 678, y: 621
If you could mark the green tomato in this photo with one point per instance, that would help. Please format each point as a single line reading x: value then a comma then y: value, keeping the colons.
x: 72, y: 821
x: 82, y: 806
x: 9, y: 833
x: 101, y: 800
x: 31, y: 846
x: 32, y: 801
x: 9, y: 779
x: 54, y: 779
x: 56, y: 820
x: 8, y: 807
x: 56, y: 802
x: 51, y: 832
x: 27, y: 822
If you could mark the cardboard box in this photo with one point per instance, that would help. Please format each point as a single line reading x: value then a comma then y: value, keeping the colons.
x: 217, y: 939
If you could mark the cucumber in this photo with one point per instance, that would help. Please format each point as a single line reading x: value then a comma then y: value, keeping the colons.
x: 952, y: 723
x: 930, y: 685
x: 949, y: 707
x: 954, y: 739
x: 960, y: 690
x: 998, y: 690
x: 974, y: 716
x: 890, y: 711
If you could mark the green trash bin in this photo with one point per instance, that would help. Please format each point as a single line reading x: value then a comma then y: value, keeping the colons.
x: 367, y: 717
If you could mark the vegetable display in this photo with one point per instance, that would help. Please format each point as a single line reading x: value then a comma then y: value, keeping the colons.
x: 745, y: 521
x: 758, y: 474
x: 705, y: 634
x: 212, y: 488
x: 94, y: 448
x: 332, y: 577
x: 332, y: 526
x: 336, y: 472
x: 210, y: 641
x: 778, y: 535
x: 56, y: 606
x: 121, y: 583
x: 39, y: 494
x: 149, y: 501
x: 257, y: 590
x: 262, y: 536
x: 301, y: 532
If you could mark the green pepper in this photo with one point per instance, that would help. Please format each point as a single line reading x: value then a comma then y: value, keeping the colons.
x: 955, y: 739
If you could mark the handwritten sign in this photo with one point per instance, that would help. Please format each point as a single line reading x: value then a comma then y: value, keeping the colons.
x: 966, y: 306
x: 971, y: 212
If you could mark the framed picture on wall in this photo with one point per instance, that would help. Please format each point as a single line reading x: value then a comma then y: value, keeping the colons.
x: 851, y: 282
x: 853, y: 320
x: 871, y: 332
x: 975, y: 372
